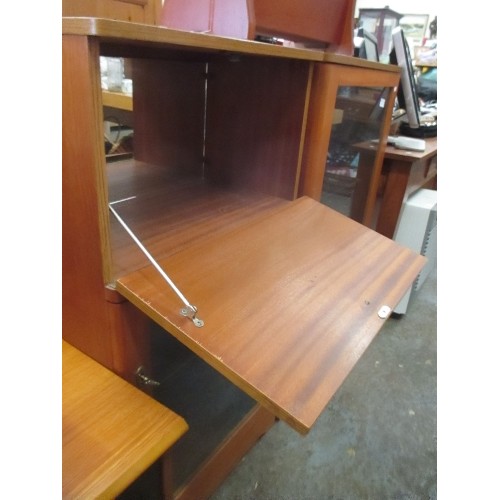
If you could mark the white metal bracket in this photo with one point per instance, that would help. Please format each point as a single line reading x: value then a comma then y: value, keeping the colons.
x: 189, y: 311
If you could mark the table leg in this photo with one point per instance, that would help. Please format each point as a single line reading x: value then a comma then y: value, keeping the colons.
x: 394, y: 196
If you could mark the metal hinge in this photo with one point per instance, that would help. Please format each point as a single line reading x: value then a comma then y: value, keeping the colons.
x: 189, y: 311
x: 142, y: 379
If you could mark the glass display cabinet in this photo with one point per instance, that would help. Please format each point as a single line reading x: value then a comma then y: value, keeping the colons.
x: 350, y: 119
x: 358, y: 120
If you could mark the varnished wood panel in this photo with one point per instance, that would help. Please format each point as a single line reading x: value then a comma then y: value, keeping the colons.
x: 255, y: 123
x: 130, y: 337
x: 111, y: 431
x: 289, y: 302
x: 112, y: 334
x: 393, y: 197
x: 319, y: 127
x: 83, y: 260
x: 178, y: 43
x: 169, y: 109
x: 170, y: 212
x: 411, y: 156
x: 117, y: 100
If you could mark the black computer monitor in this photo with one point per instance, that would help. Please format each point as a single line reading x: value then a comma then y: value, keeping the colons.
x: 365, y: 45
x: 407, y: 91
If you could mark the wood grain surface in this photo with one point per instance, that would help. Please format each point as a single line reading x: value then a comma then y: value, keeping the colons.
x: 145, y: 36
x: 111, y: 432
x: 289, y: 300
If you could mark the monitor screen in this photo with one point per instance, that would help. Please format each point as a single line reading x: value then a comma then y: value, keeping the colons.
x: 407, y: 91
x: 365, y: 45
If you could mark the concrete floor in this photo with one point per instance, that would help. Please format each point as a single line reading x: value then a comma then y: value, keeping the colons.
x: 377, y: 437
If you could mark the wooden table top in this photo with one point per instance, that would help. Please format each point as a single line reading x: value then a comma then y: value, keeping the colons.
x: 112, y: 432
x: 402, y: 154
x: 411, y: 156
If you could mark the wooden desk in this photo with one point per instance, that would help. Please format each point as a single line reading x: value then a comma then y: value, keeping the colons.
x: 112, y: 432
x: 405, y: 172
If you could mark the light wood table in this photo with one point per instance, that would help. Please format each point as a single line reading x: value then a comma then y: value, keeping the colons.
x: 112, y: 432
x: 117, y: 100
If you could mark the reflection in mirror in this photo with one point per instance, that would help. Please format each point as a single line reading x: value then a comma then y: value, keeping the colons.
x: 357, y: 122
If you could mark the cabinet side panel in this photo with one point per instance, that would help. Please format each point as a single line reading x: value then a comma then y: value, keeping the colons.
x: 84, y: 313
x: 169, y: 110
x: 255, y: 120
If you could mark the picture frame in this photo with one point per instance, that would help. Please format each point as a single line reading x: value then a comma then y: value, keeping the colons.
x: 414, y: 27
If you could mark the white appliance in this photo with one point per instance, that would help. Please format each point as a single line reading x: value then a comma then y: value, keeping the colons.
x: 417, y: 230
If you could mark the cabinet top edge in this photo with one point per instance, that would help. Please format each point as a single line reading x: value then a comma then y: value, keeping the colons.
x: 331, y: 57
x: 113, y: 31
x: 123, y: 31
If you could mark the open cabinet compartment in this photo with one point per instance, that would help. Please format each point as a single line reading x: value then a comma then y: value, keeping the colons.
x: 289, y: 290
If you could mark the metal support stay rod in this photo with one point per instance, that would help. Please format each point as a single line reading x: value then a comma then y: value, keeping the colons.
x: 190, y: 310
